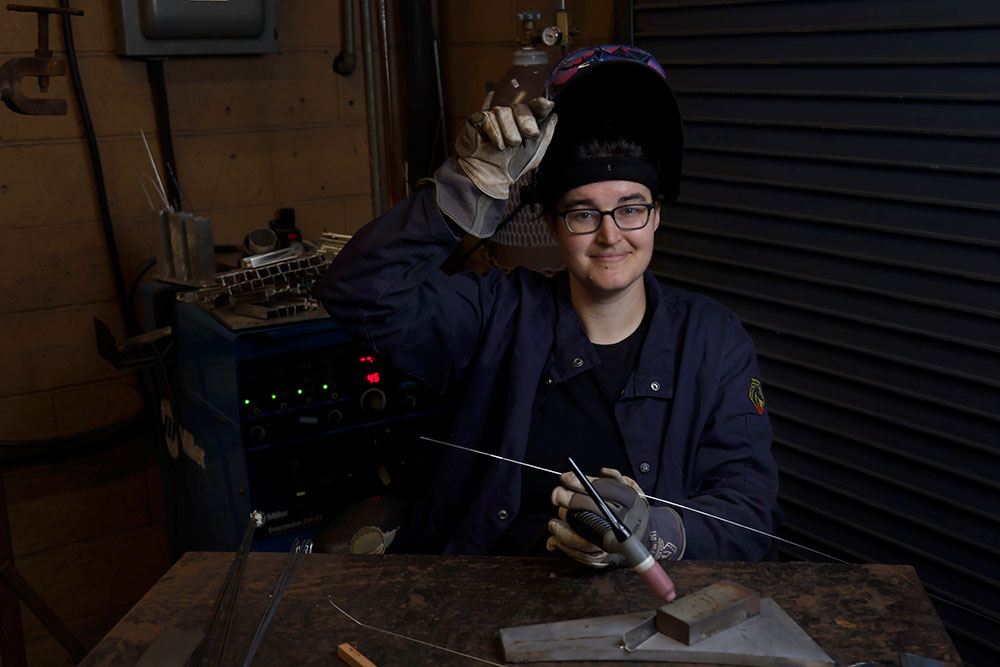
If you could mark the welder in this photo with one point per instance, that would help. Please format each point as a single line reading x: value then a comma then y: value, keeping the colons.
x: 647, y: 387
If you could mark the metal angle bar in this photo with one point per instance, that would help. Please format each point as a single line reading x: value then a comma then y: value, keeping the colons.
x: 230, y: 586
x: 10, y: 577
x: 230, y: 607
x: 892, y: 482
x: 281, y: 583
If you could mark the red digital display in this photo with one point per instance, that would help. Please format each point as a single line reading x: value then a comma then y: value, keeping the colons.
x: 372, y: 378
x: 368, y: 360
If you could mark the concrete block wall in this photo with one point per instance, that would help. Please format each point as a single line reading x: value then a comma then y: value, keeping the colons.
x: 252, y: 134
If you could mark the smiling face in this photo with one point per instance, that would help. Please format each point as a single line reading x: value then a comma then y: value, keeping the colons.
x: 607, y: 264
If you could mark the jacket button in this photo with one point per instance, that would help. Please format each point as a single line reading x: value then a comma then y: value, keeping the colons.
x: 548, y: 382
x: 655, y: 386
x: 578, y: 362
x: 644, y: 468
x: 502, y: 515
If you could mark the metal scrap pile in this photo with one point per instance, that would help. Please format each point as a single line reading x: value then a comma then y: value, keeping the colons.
x: 273, y: 285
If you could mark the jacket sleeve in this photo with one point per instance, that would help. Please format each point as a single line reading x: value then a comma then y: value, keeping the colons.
x: 386, y: 289
x: 734, y: 474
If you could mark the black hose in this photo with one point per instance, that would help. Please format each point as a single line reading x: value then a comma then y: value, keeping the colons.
x: 134, y: 288
x: 131, y: 324
x: 154, y: 70
x: 79, y: 444
x: 589, y: 525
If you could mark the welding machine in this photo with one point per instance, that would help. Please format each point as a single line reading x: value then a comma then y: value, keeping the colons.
x: 290, y: 419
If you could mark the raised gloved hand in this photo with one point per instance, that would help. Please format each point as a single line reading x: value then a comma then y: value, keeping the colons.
x: 661, y: 530
x: 497, y: 146
x: 493, y: 150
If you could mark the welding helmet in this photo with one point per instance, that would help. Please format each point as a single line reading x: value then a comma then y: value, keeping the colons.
x: 606, y: 93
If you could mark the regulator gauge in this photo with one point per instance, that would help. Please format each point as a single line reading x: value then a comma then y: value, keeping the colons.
x: 552, y: 35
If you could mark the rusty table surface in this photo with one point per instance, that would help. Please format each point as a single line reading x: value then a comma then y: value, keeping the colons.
x: 854, y: 612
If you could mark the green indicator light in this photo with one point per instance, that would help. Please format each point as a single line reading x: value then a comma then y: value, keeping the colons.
x: 246, y: 401
x: 300, y: 391
x: 274, y: 396
x: 325, y: 387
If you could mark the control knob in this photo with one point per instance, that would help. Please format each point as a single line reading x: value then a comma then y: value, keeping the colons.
x: 373, y: 400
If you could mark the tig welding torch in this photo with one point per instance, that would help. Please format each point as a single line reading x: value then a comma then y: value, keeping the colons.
x: 613, y: 536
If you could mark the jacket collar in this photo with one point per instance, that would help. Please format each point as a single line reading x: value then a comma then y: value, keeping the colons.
x: 573, y: 353
x: 655, y: 374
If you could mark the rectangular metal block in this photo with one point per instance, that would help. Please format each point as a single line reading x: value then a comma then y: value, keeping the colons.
x: 711, y: 610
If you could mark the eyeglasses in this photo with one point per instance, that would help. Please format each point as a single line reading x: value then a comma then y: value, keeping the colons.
x: 628, y: 218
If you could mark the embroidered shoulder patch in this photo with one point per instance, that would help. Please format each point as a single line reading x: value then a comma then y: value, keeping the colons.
x: 757, y: 395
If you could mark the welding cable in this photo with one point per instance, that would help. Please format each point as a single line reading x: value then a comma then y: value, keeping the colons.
x: 24, y: 452
x: 157, y: 80
x: 411, y: 639
x: 95, y: 159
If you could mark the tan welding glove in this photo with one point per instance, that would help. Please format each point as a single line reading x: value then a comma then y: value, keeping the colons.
x: 498, y: 145
x: 495, y: 147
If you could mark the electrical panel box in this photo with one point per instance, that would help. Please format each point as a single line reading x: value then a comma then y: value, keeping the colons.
x: 195, y: 27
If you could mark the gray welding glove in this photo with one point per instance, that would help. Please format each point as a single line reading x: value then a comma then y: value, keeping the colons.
x: 494, y: 149
x: 660, y: 530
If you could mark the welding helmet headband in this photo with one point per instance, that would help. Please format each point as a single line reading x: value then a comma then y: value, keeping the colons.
x: 608, y: 94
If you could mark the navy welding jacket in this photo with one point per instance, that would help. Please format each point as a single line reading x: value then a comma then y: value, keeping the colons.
x: 692, y: 414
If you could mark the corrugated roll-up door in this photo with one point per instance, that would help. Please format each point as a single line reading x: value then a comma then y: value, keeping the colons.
x: 842, y: 195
